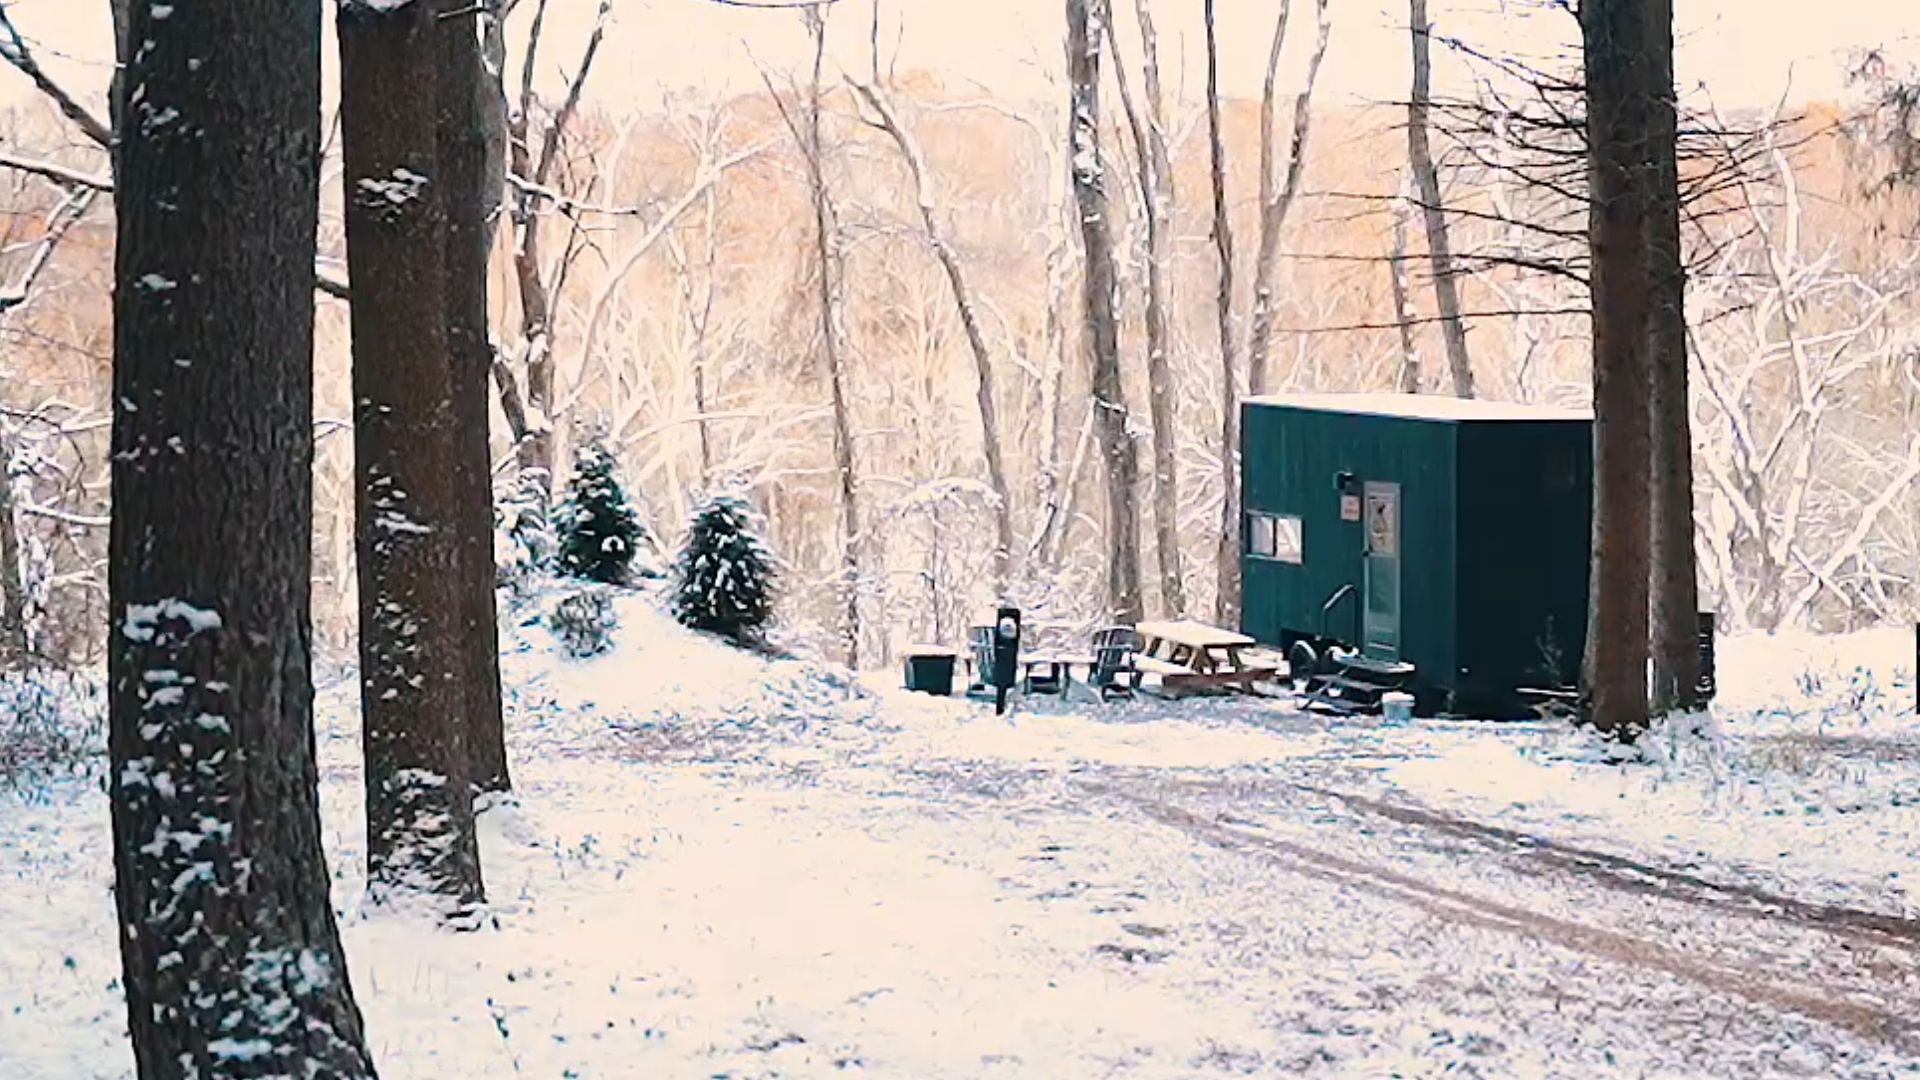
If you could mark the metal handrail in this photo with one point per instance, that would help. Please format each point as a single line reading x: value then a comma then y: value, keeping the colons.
x: 1333, y: 601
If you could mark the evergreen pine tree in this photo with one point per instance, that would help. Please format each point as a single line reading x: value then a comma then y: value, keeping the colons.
x: 725, y: 577
x: 524, y: 542
x: 599, y: 531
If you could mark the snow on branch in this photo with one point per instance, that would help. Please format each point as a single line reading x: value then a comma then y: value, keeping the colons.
x: 71, y: 209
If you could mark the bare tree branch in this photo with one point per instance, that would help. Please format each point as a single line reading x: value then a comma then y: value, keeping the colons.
x: 59, y: 174
x: 14, y: 50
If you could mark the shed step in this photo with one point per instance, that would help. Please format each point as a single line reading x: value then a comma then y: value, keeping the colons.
x: 1341, y: 694
x: 1360, y: 662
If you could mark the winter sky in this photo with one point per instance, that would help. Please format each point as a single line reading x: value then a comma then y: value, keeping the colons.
x: 1748, y: 52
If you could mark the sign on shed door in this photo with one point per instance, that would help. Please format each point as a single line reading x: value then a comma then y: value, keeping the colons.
x: 1383, y: 520
x: 1380, y: 618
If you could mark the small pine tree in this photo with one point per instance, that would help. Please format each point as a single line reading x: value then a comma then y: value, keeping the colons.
x: 725, y: 577
x: 584, y: 622
x: 599, y: 531
x: 523, y: 540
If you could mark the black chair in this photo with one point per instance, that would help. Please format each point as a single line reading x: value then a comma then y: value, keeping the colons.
x: 980, y: 649
x: 1113, y: 672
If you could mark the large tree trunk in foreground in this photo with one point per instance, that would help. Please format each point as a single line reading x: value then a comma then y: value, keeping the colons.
x: 1226, y: 600
x: 406, y: 456
x: 1446, y: 289
x: 463, y: 135
x: 1103, y: 335
x: 231, y: 960
x: 1619, y: 118
x: 1675, y: 584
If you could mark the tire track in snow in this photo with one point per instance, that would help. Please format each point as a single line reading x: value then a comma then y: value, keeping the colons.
x: 1868, y: 1020
x: 1631, y: 876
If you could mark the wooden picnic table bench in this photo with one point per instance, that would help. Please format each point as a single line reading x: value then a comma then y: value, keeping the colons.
x: 1192, y: 655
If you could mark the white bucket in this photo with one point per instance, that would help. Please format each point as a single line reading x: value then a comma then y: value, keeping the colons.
x: 1396, y: 707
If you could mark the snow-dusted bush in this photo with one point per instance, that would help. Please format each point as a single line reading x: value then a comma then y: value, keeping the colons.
x: 725, y: 577
x: 524, y: 543
x: 600, y: 534
x: 584, y: 622
x: 51, y: 722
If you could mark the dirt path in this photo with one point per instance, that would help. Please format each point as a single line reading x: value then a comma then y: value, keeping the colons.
x: 1632, y: 876
x: 1861, y: 994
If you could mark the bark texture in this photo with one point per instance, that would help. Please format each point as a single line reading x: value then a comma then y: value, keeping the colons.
x: 1619, y: 121
x: 1402, y: 310
x: 534, y: 436
x: 1675, y: 585
x: 230, y: 956
x: 1446, y: 288
x: 1103, y: 336
x: 463, y: 146
x: 826, y: 253
x: 407, y: 510
x: 1156, y: 210
x: 13, y: 585
x: 1276, y: 199
x: 964, y: 305
x: 1226, y: 600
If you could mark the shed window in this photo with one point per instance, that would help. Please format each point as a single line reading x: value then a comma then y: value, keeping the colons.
x: 1274, y: 536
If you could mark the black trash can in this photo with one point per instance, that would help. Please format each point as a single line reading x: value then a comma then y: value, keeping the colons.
x: 930, y: 670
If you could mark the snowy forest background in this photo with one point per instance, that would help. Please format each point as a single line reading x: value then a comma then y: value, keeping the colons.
x: 673, y: 242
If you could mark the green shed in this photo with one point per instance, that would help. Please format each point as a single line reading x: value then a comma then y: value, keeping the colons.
x: 1447, y: 534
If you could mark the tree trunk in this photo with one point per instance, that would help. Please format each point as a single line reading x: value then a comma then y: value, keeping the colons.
x: 1054, y: 487
x: 406, y: 454
x: 1226, y: 601
x: 463, y: 147
x: 826, y: 252
x: 969, y: 323
x: 536, y: 447
x: 1402, y: 310
x: 1103, y: 336
x: 121, y: 12
x: 13, y: 585
x: 1156, y: 198
x: 536, y: 442
x: 1446, y: 290
x: 1619, y: 118
x: 1275, y: 203
x: 702, y: 319
x: 493, y: 108
x: 1675, y: 587
x: 231, y: 960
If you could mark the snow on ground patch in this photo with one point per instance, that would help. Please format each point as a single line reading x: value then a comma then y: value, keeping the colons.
x: 725, y: 864
x: 1144, y: 734
x: 1851, y: 684
x: 666, y: 691
x: 1837, y: 817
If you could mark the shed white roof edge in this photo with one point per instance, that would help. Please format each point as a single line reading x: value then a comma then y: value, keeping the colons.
x: 1423, y: 407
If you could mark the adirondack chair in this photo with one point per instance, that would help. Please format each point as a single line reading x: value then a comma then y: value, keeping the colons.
x: 1114, y: 675
x: 980, y: 650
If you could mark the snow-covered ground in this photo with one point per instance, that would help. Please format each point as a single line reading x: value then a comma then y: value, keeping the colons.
x: 722, y: 865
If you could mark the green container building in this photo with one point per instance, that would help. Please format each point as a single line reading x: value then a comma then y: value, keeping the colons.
x: 1451, y: 535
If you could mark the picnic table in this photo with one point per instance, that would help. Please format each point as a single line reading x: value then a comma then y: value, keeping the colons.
x: 1192, y: 655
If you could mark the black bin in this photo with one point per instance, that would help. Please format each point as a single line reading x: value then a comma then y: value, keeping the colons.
x: 930, y: 670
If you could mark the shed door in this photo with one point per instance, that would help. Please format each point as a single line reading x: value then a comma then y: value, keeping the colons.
x: 1380, y: 617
